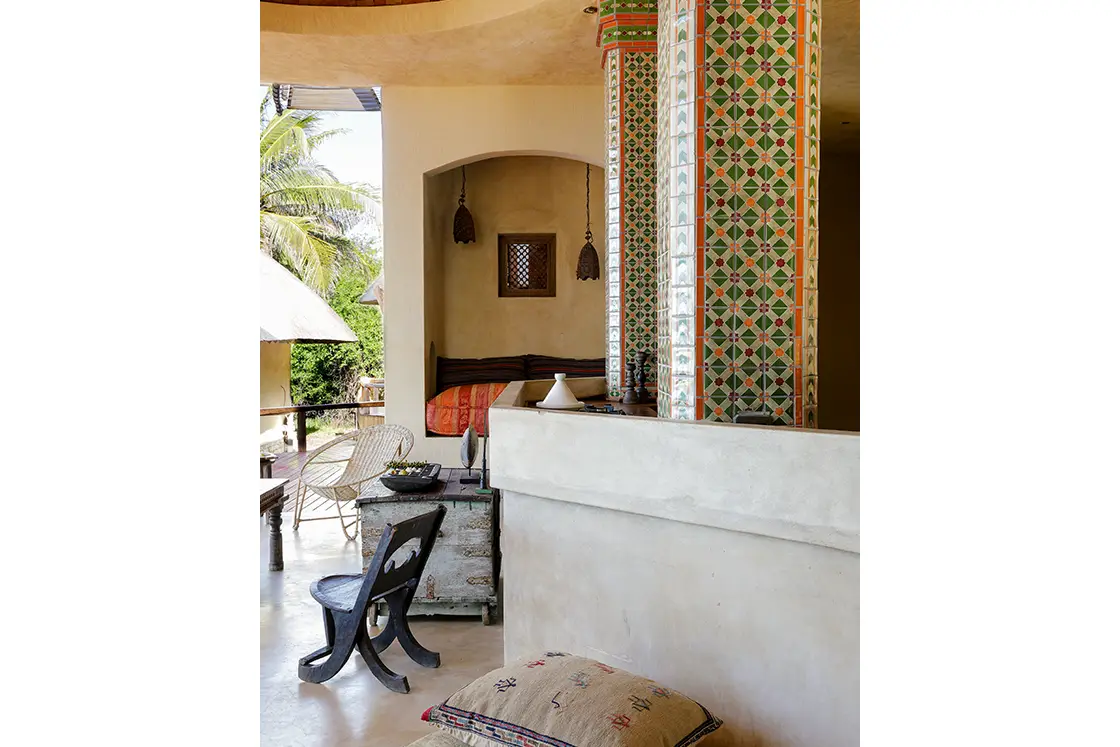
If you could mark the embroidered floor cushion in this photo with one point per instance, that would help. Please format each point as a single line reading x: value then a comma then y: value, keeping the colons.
x: 560, y: 700
x: 438, y: 739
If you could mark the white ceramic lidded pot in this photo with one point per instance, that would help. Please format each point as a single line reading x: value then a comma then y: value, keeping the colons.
x: 560, y: 397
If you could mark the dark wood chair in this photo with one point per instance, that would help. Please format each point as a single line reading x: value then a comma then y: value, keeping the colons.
x: 347, y: 598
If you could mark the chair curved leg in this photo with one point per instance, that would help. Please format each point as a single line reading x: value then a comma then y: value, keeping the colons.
x: 385, y: 638
x: 328, y: 627
x: 398, y: 623
x: 387, y: 677
x: 342, y: 520
x: 301, y: 493
x: 319, y: 673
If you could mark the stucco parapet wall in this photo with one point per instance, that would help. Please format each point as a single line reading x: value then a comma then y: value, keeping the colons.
x: 792, y: 484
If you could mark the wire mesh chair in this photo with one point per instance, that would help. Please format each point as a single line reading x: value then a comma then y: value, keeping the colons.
x: 337, y: 471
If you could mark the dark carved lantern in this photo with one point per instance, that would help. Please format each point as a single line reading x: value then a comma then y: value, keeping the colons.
x: 587, y: 268
x: 464, y: 223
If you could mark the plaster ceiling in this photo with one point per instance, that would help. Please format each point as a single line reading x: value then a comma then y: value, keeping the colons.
x: 499, y: 42
x: 349, y: 3
x: 448, y: 43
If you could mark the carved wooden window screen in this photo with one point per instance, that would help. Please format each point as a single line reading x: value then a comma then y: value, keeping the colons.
x: 527, y: 264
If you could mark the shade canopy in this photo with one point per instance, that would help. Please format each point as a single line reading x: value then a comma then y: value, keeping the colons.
x: 328, y: 99
x: 292, y: 312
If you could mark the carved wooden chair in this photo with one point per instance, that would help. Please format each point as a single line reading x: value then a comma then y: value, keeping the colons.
x: 337, y: 471
x: 346, y: 600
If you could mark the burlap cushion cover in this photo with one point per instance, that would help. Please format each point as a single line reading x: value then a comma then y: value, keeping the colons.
x: 560, y: 700
x: 438, y: 739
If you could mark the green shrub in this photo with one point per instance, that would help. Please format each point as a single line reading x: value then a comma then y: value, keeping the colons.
x: 326, y: 373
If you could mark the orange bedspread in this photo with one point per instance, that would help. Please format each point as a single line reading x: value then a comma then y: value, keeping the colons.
x: 451, y: 411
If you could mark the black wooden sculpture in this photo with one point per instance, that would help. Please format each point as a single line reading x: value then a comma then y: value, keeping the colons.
x: 629, y: 394
x: 643, y: 393
x: 346, y: 599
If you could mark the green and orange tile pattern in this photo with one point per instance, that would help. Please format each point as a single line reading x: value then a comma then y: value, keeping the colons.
x: 630, y: 64
x: 737, y: 257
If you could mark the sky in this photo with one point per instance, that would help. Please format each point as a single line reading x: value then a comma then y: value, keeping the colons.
x: 354, y: 156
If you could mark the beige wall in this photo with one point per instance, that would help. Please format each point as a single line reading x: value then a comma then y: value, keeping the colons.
x: 517, y: 194
x: 719, y: 559
x: 440, y: 199
x: 276, y: 374
x: 839, y: 292
x: 427, y: 131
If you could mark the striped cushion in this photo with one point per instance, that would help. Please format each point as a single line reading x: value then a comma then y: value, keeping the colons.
x: 555, y: 699
x: 459, y: 371
x: 451, y: 411
x: 545, y: 367
x: 439, y: 739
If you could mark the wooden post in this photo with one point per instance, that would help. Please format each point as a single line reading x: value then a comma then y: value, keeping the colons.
x: 301, y: 431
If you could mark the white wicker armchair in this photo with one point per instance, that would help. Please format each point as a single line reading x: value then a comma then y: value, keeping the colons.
x: 337, y: 471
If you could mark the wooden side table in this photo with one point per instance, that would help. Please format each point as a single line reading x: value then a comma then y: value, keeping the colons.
x: 462, y: 572
x: 267, y: 461
x: 272, y: 502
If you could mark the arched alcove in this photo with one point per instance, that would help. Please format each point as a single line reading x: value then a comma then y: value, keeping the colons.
x: 511, y: 193
x: 429, y: 133
x: 467, y: 160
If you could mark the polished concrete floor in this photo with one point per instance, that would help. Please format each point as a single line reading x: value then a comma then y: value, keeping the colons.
x: 353, y: 708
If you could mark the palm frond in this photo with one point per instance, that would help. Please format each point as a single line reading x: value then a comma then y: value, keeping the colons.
x: 314, y: 141
x: 295, y: 239
x: 305, y: 211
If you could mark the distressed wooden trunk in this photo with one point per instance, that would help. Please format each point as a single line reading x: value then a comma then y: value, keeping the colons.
x: 462, y: 571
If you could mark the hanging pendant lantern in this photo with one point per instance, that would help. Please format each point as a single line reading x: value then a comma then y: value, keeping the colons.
x: 588, y: 266
x: 464, y: 223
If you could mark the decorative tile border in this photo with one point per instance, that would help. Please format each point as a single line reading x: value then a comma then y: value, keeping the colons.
x: 627, y: 23
x: 678, y: 338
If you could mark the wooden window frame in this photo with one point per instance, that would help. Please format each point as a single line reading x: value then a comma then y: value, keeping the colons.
x: 504, y: 240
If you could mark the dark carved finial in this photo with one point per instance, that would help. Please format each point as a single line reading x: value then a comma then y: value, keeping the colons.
x: 643, y: 393
x: 630, y: 396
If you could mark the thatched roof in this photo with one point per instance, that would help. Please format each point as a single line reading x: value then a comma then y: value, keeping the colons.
x: 375, y: 293
x: 292, y: 312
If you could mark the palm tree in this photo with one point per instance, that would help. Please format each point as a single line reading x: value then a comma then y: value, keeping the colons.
x: 306, y: 211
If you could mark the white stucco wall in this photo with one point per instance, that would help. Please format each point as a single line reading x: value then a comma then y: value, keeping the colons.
x: 762, y: 631
x: 722, y: 560
x: 427, y: 130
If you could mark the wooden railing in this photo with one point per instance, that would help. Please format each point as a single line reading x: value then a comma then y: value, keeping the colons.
x: 302, y: 410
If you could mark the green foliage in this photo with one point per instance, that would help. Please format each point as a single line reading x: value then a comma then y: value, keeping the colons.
x: 306, y: 213
x: 322, y: 374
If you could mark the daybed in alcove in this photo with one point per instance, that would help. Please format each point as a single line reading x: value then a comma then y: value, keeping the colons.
x: 467, y: 386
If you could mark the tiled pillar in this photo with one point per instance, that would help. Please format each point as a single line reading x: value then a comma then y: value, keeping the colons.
x: 738, y: 166
x: 628, y: 37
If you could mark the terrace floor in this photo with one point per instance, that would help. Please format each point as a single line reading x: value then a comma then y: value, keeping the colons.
x: 287, y: 466
x: 353, y: 708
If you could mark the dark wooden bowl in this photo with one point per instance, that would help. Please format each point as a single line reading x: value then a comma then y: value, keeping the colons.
x: 412, y: 483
